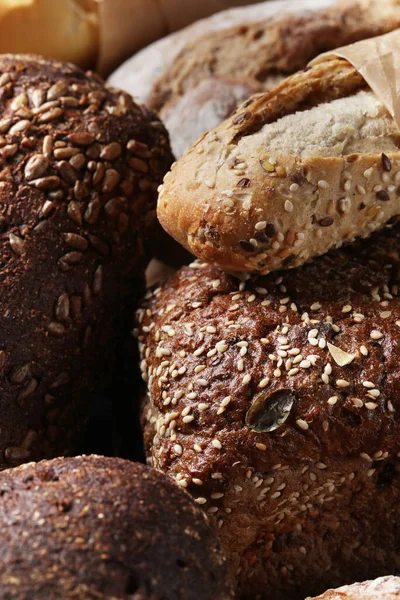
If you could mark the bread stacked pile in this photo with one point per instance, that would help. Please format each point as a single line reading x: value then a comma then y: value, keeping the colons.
x: 271, y: 360
x: 271, y: 422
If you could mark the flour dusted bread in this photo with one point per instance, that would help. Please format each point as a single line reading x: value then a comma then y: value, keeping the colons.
x: 295, y: 171
x: 274, y: 400
x: 384, y: 588
x: 92, y: 527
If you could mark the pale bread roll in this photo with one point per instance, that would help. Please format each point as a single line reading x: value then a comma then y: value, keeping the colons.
x: 294, y: 172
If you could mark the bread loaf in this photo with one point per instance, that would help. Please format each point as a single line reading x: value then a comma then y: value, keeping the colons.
x: 384, y: 588
x: 257, y: 45
x: 94, y: 527
x: 79, y: 168
x: 259, y: 49
x: 292, y: 173
x: 202, y: 108
x: 274, y: 400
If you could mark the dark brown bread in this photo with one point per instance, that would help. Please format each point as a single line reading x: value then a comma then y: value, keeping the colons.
x: 104, y: 528
x: 79, y: 168
x: 384, y: 588
x: 261, y: 49
x: 275, y: 401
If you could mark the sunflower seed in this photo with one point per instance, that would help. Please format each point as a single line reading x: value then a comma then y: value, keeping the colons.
x: 20, y: 126
x: 28, y: 389
x: 17, y: 244
x: 29, y: 439
x: 58, y: 89
x: 111, y: 152
x: 65, y: 153
x: 47, y: 146
x: 67, y: 172
x: 111, y: 180
x: 20, y: 100
x: 93, y: 210
x: 98, y: 281
x: 99, y: 245
x: 99, y: 174
x: 78, y: 161
x: 62, y: 308
x: 46, y: 209
x: 56, y: 329
x: 81, y: 138
x: 75, y: 241
x: 46, y: 183
x: 74, y: 212
x: 8, y: 151
x: 21, y: 374
x: 72, y: 258
x: 38, y: 97
x: 60, y: 380
x: 76, y: 305
x: 36, y: 167
x: 14, y: 454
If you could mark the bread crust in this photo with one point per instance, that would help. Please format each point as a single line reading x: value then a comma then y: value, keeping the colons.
x: 384, y: 588
x: 259, y: 49
x: 274, y: 401
x: 95, y: 527
x: 232, y: 201
x: 76, y: 206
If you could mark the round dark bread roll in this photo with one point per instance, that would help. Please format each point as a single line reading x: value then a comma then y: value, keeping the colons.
x: 384, y: 588
x: 79, y: 169
x: 275, y: 402
x: 94, y: 527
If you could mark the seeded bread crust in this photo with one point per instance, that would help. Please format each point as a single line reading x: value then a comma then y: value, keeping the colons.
x: 384, y: 588
x: 95, y: 527
x: 274, y: 401
x: 79, y: 168
x: 233, y: 201
x: 282, y: 45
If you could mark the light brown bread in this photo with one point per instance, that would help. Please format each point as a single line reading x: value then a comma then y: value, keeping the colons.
x: 384, y: 588
x: 294, y: 172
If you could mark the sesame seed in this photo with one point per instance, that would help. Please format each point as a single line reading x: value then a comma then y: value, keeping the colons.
x: 294, y: 187
x: 315, y: 306
x: 293, y: 371
x: 302, y: 424
x: 376, y: 335
x: 246, y: 379
x: 346, y: 308
x: 202, y: 406
x: 342, y: 383
x: 357, y: 402
x: 178, y: 449
x: 260, y: 225
x: 364, y: 350
x: 211, y: 329
x: 374, y: 393
x: 367, y: 173
x: 371, y: 405
x: 332, y: 400
x: 262, y: 447
x: 288, y: 206
x: 197, y: 448
x: 200, y: 500
x: 197, y: 481
x: 264, y: 382
x: 275, y: 495
x: 217, y: 444
x: 368, y: 384
x: 305, y: 364
x: 188, y: 419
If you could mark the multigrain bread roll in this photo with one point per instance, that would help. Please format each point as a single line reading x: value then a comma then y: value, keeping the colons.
x: 274, y: 400
x: 79, y: 167
x: 94, y: 527
x: 293, y: 173
x: 384, y: 588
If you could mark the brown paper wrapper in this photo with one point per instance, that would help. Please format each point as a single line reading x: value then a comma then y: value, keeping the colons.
x: 378, y: 62
x: 125, y: 26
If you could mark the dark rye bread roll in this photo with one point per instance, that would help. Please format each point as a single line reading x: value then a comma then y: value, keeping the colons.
x: 104, y: 528
x: 384, y: 588
x: 275, y: 402
x: 79, y: 168
x: 294, y: 172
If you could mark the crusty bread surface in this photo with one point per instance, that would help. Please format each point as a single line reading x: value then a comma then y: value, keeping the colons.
x: 294, y: 172
x: 274, y: 400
